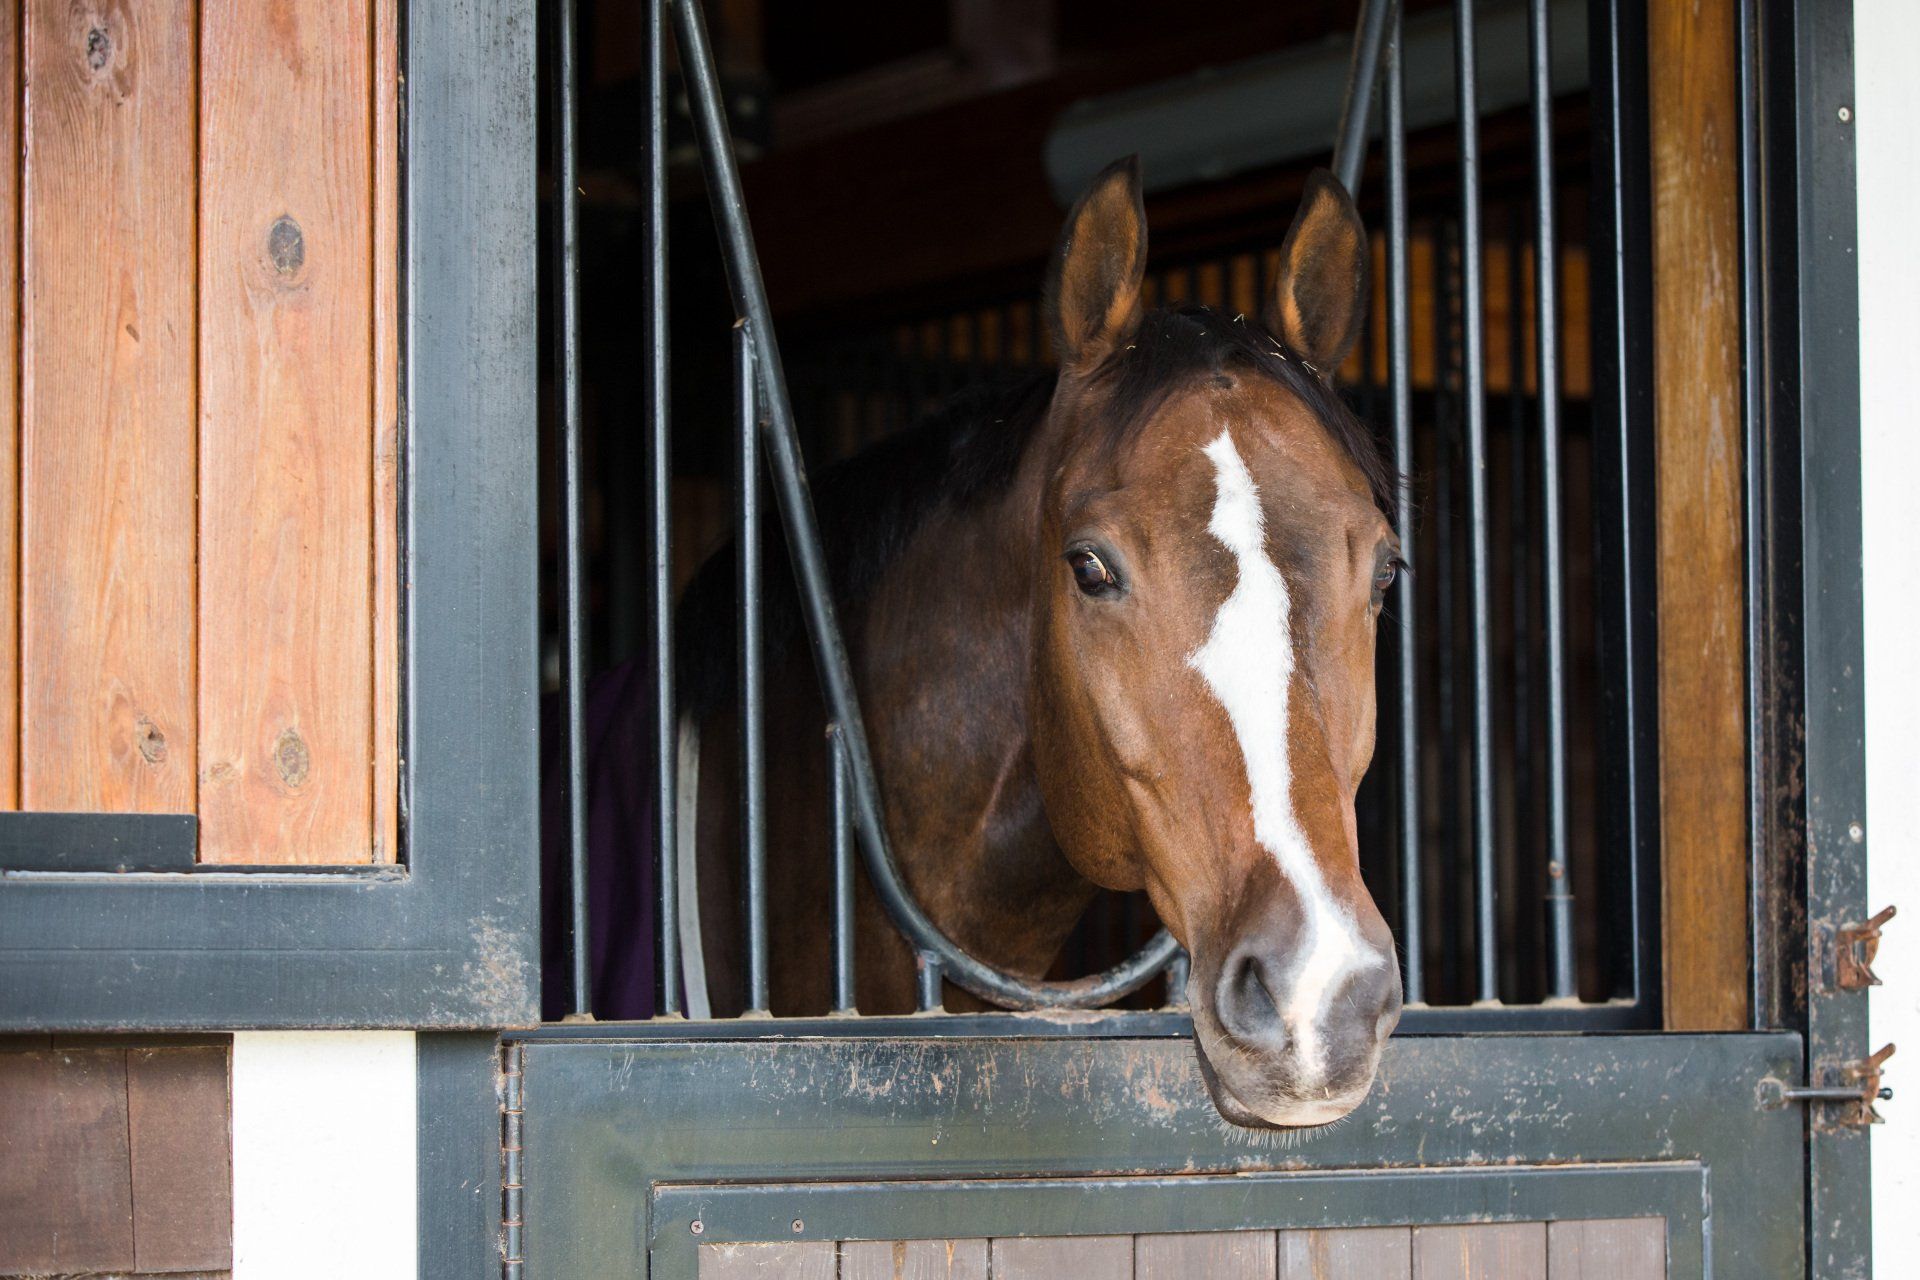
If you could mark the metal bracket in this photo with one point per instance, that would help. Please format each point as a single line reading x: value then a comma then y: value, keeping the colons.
x: 1857, y: 1089
x: 1854, y: 947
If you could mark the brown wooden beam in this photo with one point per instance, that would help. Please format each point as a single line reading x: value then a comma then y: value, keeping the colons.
x: 1697, y: 432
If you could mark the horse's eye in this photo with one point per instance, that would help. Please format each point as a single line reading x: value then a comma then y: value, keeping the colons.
x: 1384, y: 578
x: 1090, y: 572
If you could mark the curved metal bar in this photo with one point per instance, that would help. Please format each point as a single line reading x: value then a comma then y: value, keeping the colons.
x: 830, y: 654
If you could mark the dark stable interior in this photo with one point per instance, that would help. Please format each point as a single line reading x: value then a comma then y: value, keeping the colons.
x: 896, y: 164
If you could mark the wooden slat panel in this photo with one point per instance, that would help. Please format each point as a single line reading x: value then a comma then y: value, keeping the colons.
x: 107, y: 385
x: 799, y: 1260
x: 386, y: 425
x: 1697, y: 447
x: 1228, y: 1255
x: 1063, y: 1258
x: 1608, y: 1249
x: 10, y: 30
x: 66, y: 1201
x: 179, y: 1136
x: 286, y: 441
x: 913, y: 1260
x: 1347, y: 1253
x: 1481, y: 1251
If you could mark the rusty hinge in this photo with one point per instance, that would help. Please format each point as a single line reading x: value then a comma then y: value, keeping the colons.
x: 1854, y: 947
x: 512, y: 1119
x: 1855, y: 1091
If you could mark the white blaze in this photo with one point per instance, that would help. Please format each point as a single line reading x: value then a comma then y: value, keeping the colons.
x: 1248, y: 663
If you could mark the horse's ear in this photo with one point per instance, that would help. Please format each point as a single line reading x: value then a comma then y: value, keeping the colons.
x: 1319, y: 296
x: 1093, y: 286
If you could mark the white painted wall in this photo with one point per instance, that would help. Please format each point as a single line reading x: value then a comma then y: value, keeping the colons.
x: 1887, y: 109
x: 323, y: 1155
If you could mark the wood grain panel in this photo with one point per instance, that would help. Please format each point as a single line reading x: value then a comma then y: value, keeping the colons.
x: 1347, y: 1253
x: 66, y: 1200
x: 913, y: 1260
x: 1063, y: 1258
x: 107, y: 714
x: 10, y: 31
x: 286, y: 432
x: 1481, y: 1251
x: 1608, y: 1249
x: 1697, y: 444
x: 799, y: 1260
x: 386, y: 426
x: 1227, y: 1255
x: 179, y: 1135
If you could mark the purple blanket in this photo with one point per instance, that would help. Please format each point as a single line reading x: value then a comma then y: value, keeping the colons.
x: 620, y: 870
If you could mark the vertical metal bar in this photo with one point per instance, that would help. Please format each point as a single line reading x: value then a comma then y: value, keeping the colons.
x: 1562, y: 981
x: 928, y: 973
x: 1452, y: 861
x: 1400, y: 386
x: 1179, y: 970
x: 843, y: 971
x: 660, y: 518
x: 1473, y: 393
x: 1350, y: 144
x: 753, y: 745
x: 566, y: 374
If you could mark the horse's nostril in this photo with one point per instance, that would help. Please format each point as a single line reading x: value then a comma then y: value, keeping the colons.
x: 1246, y: 1003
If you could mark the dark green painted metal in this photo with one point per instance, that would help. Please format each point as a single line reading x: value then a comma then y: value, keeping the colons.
x: 1813, y: 158
x: 458, y: 1105
x: 608, y: 1121
x: 117, y: 842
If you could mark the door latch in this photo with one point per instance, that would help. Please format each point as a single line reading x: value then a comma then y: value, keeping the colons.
x: 1854, y: 947
x: 1855, y: 1091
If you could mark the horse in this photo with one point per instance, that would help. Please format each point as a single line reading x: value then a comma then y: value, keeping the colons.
x: 1111, y: 626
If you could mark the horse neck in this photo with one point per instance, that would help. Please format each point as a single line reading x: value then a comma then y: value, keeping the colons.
x: 945, y: 661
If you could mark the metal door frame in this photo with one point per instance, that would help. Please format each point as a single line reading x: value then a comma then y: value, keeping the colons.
x: 569, y: 1091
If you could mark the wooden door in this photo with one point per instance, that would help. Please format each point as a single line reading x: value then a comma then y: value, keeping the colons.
x: 199, y: 419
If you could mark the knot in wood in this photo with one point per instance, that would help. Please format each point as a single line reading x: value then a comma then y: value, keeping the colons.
x: 99, y: 49
x: 152, y: 742
x: 291, y: 759
x: 286, y: 245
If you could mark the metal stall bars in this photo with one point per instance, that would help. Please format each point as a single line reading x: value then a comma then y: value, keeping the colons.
x: 937, y: 955
x: 766, y: 423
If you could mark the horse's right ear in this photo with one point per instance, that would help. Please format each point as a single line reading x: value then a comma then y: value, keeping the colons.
x: 1093, y: 286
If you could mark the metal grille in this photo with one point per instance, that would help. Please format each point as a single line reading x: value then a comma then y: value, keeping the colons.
x: 1513, y: 775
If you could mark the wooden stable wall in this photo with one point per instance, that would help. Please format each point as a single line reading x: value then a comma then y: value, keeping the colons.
x: 198, y: 418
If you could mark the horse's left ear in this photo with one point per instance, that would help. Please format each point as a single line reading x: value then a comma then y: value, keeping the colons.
x: 1319, y: 296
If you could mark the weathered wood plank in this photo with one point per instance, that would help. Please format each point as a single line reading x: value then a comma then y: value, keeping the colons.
x: 796, y: 1260
x: 107, y: 369
x: 1481, y: 1251
x: 1607, y: 1249
x: 1692, y: 102
x: 386, y: 426
x: 1228, y: 1255
x: 1347, y: 1253
x: 179, y: 1137
x: 286, y: 439
x: 913, y: 1260
x: 66, y: 1200
x: 10, y: 32
x: 1063, y: 1258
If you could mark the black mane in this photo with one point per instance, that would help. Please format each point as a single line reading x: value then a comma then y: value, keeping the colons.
x: 870, y: 505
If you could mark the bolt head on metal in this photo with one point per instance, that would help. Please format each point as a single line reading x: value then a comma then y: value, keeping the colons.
x: 1856, y: 832
x: 798, y: 1226
x: 1845, y: 115
x: 697, y: 1227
